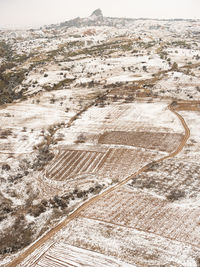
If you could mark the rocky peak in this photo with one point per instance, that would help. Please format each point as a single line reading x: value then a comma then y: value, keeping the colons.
x: 97, y: 13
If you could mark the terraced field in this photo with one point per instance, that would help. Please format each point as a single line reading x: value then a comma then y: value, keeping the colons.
x: 74, y: 162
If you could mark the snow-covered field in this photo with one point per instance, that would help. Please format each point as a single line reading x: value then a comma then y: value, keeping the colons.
x: 179, y: 86
x: 138, y: 116
x: 131, y: 247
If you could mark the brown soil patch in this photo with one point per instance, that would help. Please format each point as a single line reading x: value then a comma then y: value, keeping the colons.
x: 195, y: 106
x: 157, y: 141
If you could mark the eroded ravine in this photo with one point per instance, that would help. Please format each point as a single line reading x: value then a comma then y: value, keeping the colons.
x: 77, y: 212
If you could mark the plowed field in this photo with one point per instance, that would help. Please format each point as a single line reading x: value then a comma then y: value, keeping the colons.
x: 158, y: 141
x: 73, y: 162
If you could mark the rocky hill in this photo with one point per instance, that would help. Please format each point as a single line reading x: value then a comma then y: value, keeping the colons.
x: 97, y: 19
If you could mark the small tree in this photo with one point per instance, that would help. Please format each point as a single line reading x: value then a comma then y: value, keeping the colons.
x: 81, y: 139
x: 5, y: 167
x: 175, y: 66
x: 144, y: 68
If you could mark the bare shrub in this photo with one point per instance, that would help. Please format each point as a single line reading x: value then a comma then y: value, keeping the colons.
x: 175, y: 195
x: 5, y: 167
x: 5, y: 133
x: 80, y: 139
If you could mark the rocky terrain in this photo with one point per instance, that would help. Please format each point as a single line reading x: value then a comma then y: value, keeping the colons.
x: 99, y: 143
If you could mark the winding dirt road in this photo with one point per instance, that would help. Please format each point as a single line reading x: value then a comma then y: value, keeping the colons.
x: 77, y: 212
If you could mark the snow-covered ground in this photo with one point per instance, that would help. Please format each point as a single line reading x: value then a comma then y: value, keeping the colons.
x: 138, y: 116
x: 132, y: 246
x: 179, y: 85
x: 56, y: 80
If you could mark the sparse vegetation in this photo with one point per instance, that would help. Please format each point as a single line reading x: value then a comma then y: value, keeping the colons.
x: 175, y: 195
x: 16, y: 237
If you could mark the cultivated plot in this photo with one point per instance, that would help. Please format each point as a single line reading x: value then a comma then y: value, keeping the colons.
x: 61, y: 254
x: 74, y: 162
x: 114, y: 163
x: 147, y: 212
x: 167, y: 142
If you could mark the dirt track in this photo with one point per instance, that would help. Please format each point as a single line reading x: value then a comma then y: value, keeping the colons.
x: 76, y: 213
